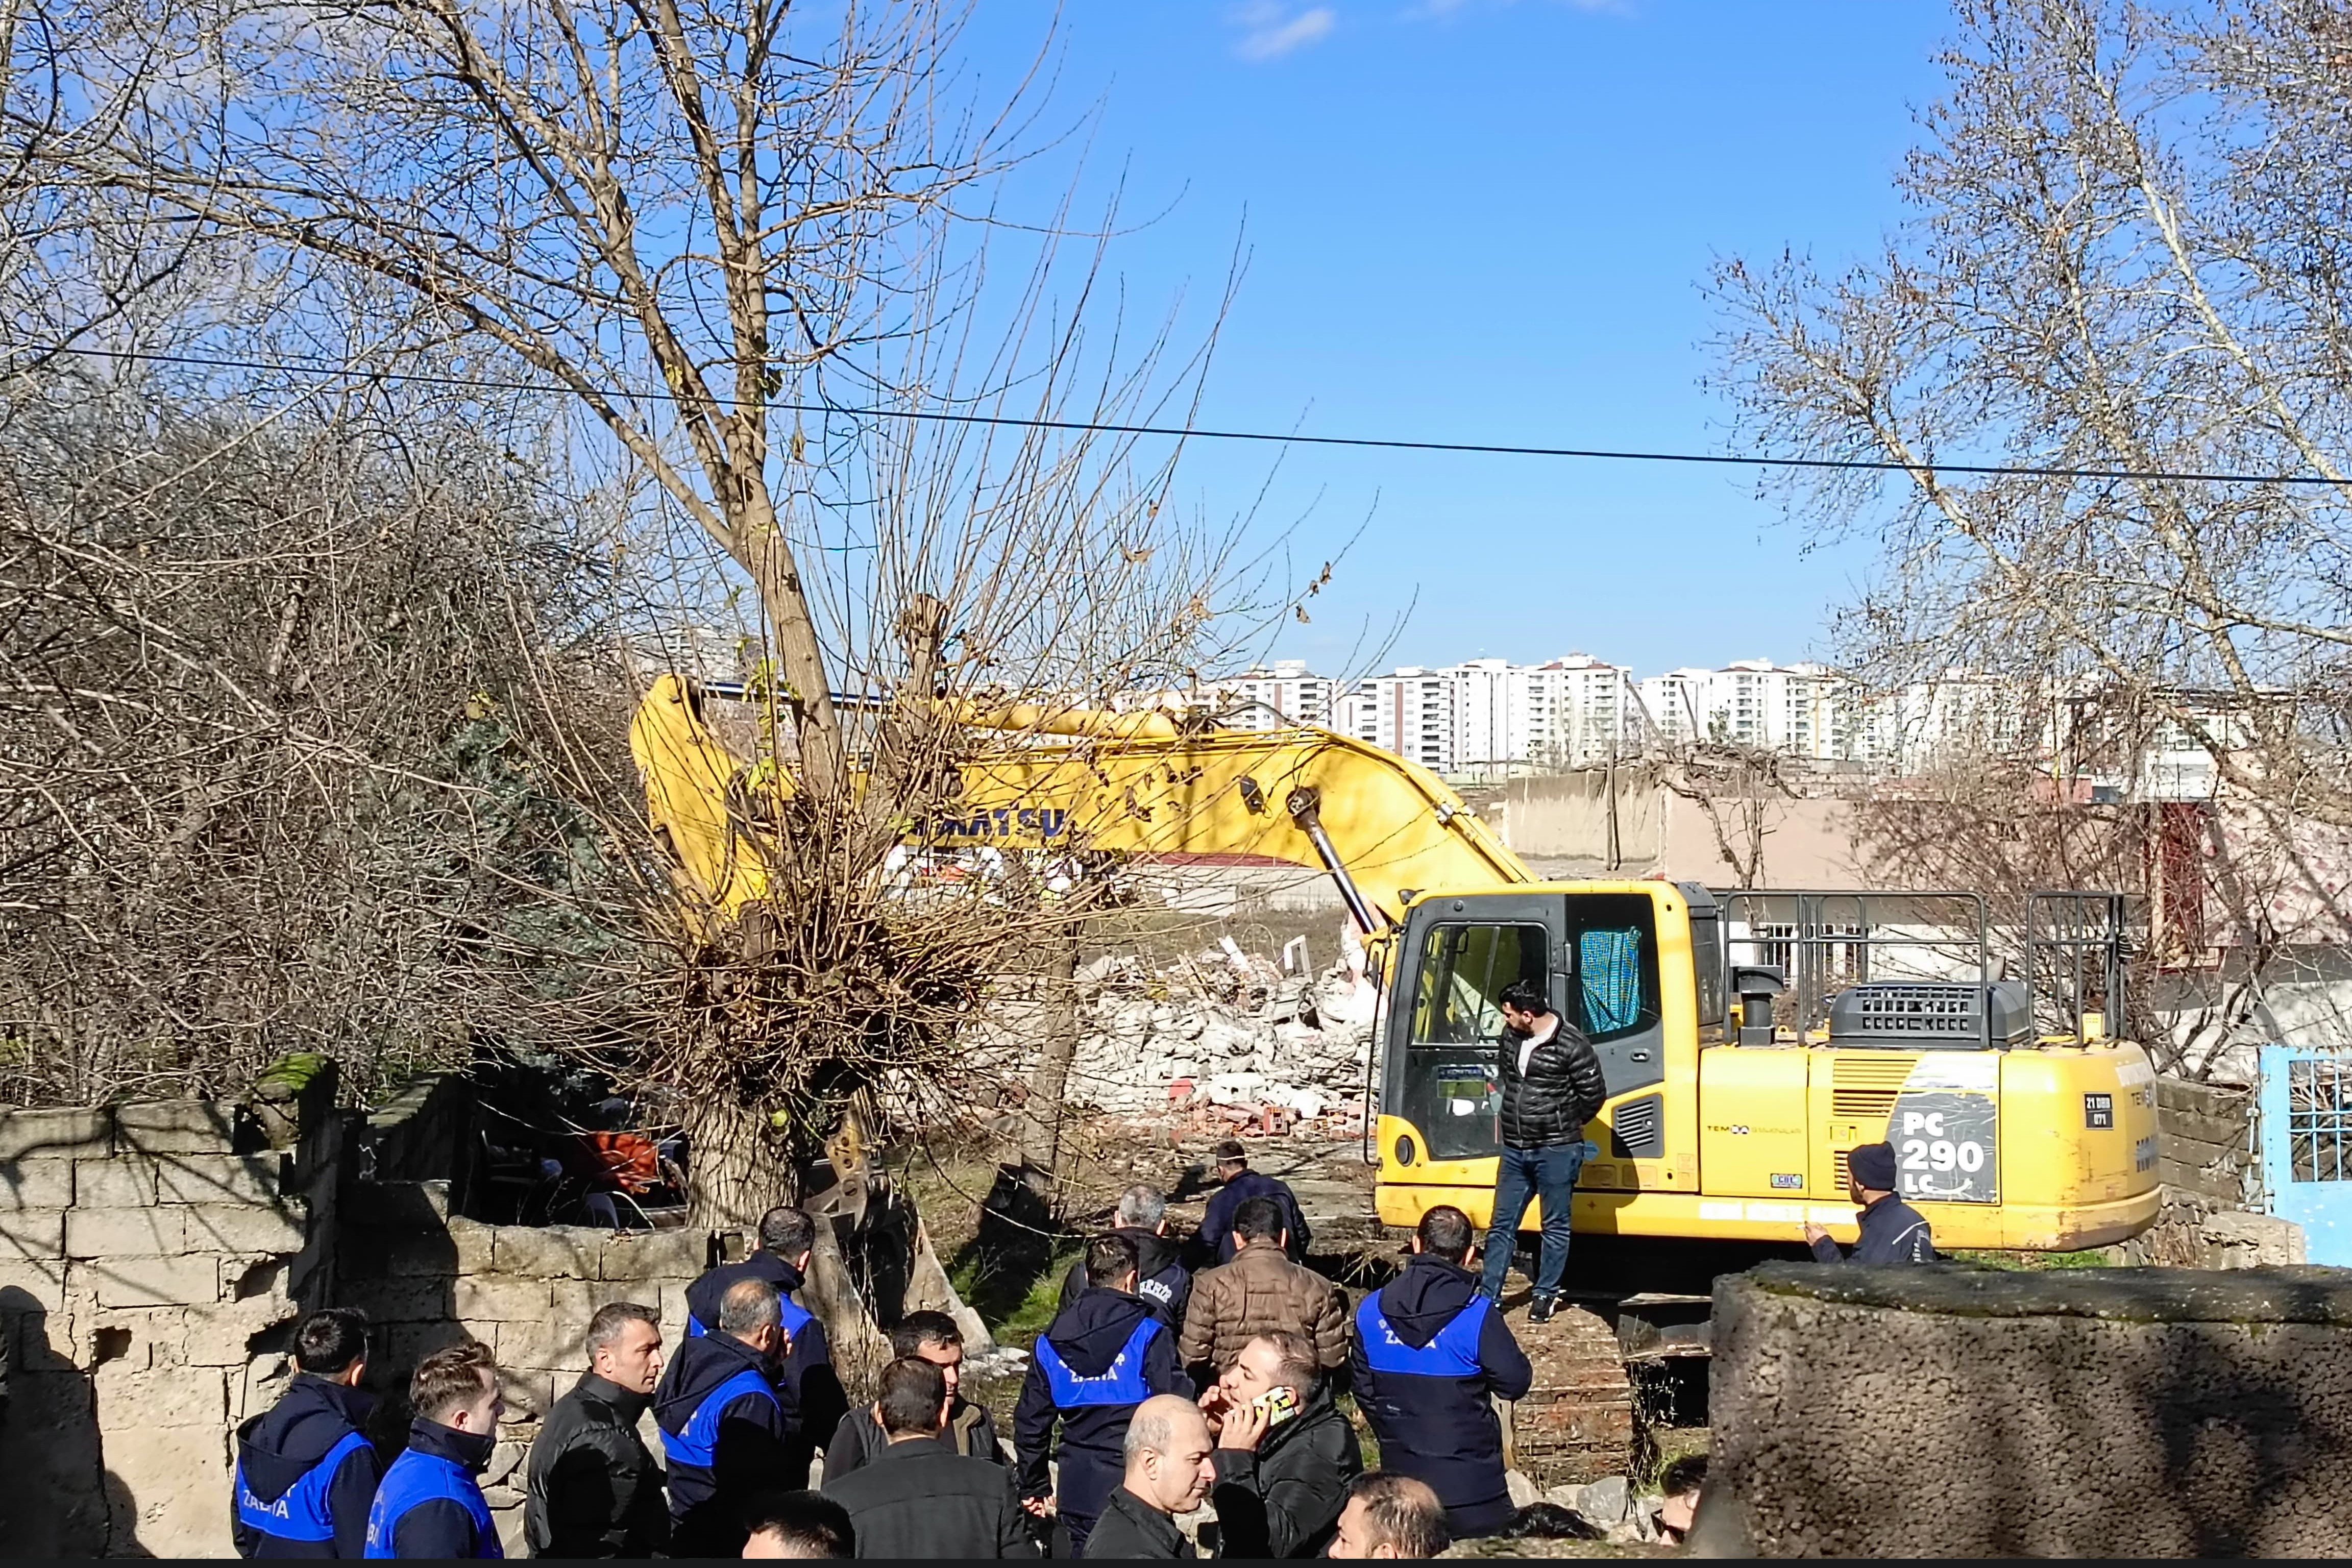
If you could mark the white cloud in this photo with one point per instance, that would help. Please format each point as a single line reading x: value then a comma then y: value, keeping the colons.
x: 1270, y: 30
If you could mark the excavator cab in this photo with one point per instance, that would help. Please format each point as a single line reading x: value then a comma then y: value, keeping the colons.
x: 1750, y: 1039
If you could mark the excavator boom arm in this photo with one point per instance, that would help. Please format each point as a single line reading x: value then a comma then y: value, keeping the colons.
x: 1394, y: 828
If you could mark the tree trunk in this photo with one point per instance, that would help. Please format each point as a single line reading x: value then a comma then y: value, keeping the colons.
x: 1055, y: 997
x: 736, y: 1169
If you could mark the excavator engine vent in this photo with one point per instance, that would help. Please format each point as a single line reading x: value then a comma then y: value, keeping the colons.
x: 1916, y: 1015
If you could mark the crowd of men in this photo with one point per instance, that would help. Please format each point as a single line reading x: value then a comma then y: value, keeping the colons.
x: 1151, y: 1390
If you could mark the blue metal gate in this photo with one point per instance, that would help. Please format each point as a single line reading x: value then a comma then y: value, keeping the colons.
x: 2307, y: 1137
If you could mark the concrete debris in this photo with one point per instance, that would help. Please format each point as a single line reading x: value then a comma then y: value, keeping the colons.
x: 1523, y: 1490
x: 1605, y: 1502
x: 1226, y: 1040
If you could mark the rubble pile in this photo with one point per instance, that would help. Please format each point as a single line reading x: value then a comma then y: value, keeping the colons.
x: 1222, y: 1036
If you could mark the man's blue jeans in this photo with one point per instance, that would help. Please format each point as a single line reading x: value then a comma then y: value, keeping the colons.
x: 1549, y: 1174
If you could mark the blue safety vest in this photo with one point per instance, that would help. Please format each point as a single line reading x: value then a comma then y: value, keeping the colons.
x: 795, y: 1318
x: 301, y: 1514
x: 417, y: 1478
x: 698, y: 1445
x: 1121, y: 1383
x: 1453, y: 1353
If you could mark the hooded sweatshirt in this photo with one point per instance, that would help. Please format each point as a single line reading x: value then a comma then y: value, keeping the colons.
x: 1093, y: 1400
x: 429, y: 1504
x: 806, y: 1386
x: 1161, y: 1277
x: 1429, y: 1353
x: 275, y: 1450
x: 720, y: 1464
x: 1216, y: 1232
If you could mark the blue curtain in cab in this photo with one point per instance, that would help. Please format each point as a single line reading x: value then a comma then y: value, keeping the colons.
x: 1611, y: 965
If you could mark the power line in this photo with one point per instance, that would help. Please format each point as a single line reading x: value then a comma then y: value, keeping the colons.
x: 1106, y: 427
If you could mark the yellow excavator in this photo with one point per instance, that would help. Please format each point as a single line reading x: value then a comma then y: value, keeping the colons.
x: 1749, y: 1040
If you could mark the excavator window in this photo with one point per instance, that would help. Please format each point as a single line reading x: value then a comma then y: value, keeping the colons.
x: 1450, y: 1091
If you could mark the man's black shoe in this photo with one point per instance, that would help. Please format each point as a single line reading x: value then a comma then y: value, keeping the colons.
x: 1541, y: 1312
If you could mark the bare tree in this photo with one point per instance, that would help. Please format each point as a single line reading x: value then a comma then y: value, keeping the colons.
x: 2126, y: 255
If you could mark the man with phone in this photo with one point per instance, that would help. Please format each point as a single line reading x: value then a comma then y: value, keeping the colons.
x: 1285, y: 1454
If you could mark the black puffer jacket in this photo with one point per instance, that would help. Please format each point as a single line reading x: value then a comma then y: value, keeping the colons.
x: 1560, y: 1092
x: 594, y: 1490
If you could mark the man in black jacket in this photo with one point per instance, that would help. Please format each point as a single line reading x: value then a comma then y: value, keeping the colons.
x: 1431, y: 1354
x: 1103, y: 1355
x: 305, y: 1474
x: 920, y: 1498
x: 807, y: 1388
x: 932, y: 1337
x: 594, y: 1491
x: 1161, y: 1277
x: 1892, y: 1230
x: 1166, y: 1455
x: 1551, y: 1088
x: 1285, y: 1454
x: 722, y: 1424
x: 1215, y: 1236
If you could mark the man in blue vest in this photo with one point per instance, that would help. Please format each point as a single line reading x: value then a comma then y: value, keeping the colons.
x: 305, y: 1474
x: 1431, y: 1354
x: 806, y: 1386
x: 430, y: 1503
x: 1104, y: 1353
x: 722, y: 1426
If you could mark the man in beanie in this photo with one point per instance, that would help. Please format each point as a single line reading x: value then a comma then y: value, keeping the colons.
x: 1892, y: 1230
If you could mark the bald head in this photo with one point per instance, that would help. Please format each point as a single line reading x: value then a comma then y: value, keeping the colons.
x: 753, y: 1312
x: 1168, y: 1450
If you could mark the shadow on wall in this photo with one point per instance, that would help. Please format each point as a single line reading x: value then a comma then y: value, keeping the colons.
x: 60, y: 1500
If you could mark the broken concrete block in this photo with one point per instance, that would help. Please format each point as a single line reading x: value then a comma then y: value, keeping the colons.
x: 1523, y: 1490
x: 32, y: 1233
x: 55, y: 1134
x: 174, y: 1126
x: 218, y: 1178
x: 1605, y: 1502
x: 133, y: 1398
x: 185, y: 1280
x: 125, y: 1183
x: 126, y: 1233
x: 38, y: 1183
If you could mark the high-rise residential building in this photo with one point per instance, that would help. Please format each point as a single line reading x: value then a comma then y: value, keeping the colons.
x: 1677, y: 706
x: 1412, y: 711
x: 1270, y: 697
x: 1579, y: 711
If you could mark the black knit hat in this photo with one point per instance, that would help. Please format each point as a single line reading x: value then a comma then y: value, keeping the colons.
x: 1872, y: 1165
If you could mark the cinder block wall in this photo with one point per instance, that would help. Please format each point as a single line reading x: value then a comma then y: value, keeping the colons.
x: 1951, y: 1413
x: 427, y: 1278
x: 149, y: 1277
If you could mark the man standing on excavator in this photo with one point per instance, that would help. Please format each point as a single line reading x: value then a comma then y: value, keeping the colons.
x: 1551, y: 1087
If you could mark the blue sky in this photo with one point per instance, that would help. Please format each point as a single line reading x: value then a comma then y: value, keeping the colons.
x: 1487, y: 220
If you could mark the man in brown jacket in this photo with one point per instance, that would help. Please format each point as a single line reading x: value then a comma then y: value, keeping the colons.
x: 1261, y: 1292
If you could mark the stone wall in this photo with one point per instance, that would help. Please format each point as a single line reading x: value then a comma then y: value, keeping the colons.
x: 2115, y: 1414
x: 427, y: 1278
x: 2208, y: 1157
x: 152, y: 1259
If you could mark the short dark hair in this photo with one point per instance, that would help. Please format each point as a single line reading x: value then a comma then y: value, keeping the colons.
x: 452, y: 1377
x: 916, y: 1330
x: 749, y: 1306
x: 1110, y: 1259
x: 1403, y: 1512
x: 787, y: 1232
x: 913, y: 1393
x: 1445, y: 1231
x: 1525, y: 996
x: 1260, y: 1219
x: 1685, y: 1475
x: 1229, y: 1151
x: 327, y: 1342
x: 1296, y: 1363
x: 605, y: 1326
x: 808, y: 1524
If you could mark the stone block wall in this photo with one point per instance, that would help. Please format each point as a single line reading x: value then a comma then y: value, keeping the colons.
x: 151, y: 1259
x: 426, y: 1278
x: 2207, y: 1149
x: 1944, y: 1411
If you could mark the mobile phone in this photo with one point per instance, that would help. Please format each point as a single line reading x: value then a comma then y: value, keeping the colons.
x: 1279, y: 1405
